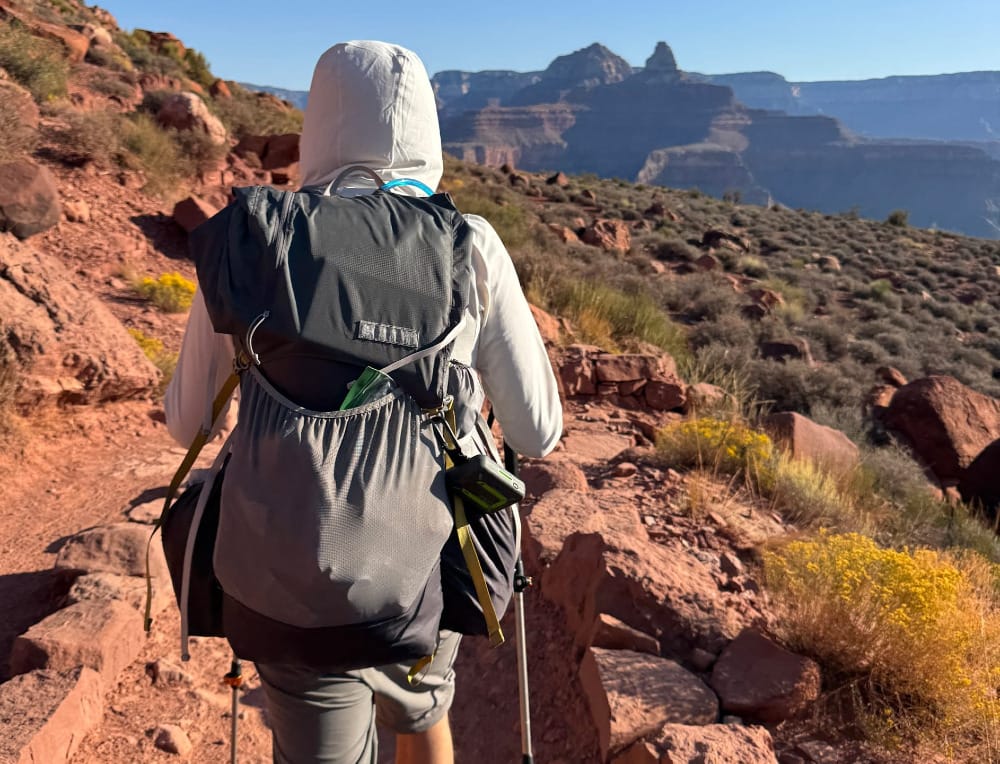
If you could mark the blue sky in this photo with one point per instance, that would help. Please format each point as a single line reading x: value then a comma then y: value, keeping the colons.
x: 277, y: 43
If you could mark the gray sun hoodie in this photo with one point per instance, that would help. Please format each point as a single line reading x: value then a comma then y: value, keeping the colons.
x: 371, y: 103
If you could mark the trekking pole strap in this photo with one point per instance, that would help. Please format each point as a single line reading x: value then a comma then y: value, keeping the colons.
x: 189, y: 459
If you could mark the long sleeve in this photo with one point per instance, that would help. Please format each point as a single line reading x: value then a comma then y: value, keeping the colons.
x: 204, y: 363
x: 510, y: 354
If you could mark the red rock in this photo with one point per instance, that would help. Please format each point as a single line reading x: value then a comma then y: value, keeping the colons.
x: 119, y: 548
x: 613, y: 568
x: 29, y: 200
x: 19, y: 100
x: 152, y: 81
x: 609, y: 235
x: 805, y: 439
x: 716, y: 239
x: 191, y: 212
x: 980, y: 485
x: 595, y: 446
x: 656, y: 209
x: 280, y: 151
x: 632, y: 695
x: 891, y: 376
x: 129, y: 589
x: 878, y: 399
x: 707, y: 744
x: 663, y: 395
x: 45, y: 714
x: 632, y: 366
x: 760, y: 681
x: 566, y: 235
x: 103, y: 635
x: 70, y: 347
x: 551, y: 474
x: 624, y: 469
x: 612, y: 634
x: 632, y: 387
x: 172, y: 739
x: 548, y: 325
x: 576, y: 371
x: 703, y: 397
x: 708, y: 263
x: 946, y: 423
x: 187, y: 111
x: 766, y: 297
x: 220, y: 89
x: 559, y: 179
x: 506, y: 168
x: 551, y: 520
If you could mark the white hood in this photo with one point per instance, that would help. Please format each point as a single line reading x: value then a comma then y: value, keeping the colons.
x: 370, y: 103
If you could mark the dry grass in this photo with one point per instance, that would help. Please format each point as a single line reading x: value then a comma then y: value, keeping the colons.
x: 35, y: 63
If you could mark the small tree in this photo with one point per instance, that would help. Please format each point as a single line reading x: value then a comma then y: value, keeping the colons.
x: 898, y: 218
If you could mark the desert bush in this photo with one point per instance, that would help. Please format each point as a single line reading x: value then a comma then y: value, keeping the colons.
x: 509, y: 220
x: 35, y: 63
x: 720, y: 446
x: 701, y: 297
x: 171, y: 292
x: 248, y: 114
x: 809, y: 496
x: 898, y: 218
x: 598, y: 309
x: 92, y: 136
x: 16, y: 138
x: 675, y: 250
x: 164, y: 360
x: 913, y: 635
x: 153, y: 150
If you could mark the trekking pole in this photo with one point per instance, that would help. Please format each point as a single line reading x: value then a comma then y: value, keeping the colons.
x: 235, y: 680
x: 521, y: 583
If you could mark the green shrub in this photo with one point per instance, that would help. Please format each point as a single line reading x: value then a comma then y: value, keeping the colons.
x: 898, y: 218
x: 92, y: 136
x: 35, y: 63
x: 171, y: 292
x: 154, y: 151
x: 247, y: 113
x: 607, y: 315
x: 508, y: 220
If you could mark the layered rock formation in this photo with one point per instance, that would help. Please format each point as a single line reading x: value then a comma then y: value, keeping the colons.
x: 591, y: 112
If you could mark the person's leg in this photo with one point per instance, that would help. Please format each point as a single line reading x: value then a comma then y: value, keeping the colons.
x: 319, y: 719
x: 418, y: 713
x: 433, y: 746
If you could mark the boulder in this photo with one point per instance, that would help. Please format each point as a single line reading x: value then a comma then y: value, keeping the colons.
x: 705, y: 744
x: 627, y: 367
x: 714, y: 239
x: 632, y: 695
x: 877, y: 400
x: 665, y: 395
x: 891, y: 376
x: 172, y: 739
x: 69, y: 345
x: 980, y: 484
x: 548, y: 325
x: 805, y: 439
x: 829, y: 263
x: 220, y: 89
x: 708, y: 263
x: 558, y: 514
x: 576, y: 371
x: 559, y: 179
x: 29, y: 199
x: 45, y: 714
x: 119, y: 548
x: 553, y: 473
x: 612, y: 634
x: 946, y: 423
x: 703, y: 397
x: 281, y: 151
x: 20, y: 105
x: 565, y: 235
x: 760, y: 681
x: 187, y: 111
x: 192, y: 211
x: 103, y: 635
x: 609, y: 235
x: 128, y: 589
x: 613, y: 567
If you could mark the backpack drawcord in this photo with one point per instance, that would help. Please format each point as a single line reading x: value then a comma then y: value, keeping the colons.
x: 250, y: 332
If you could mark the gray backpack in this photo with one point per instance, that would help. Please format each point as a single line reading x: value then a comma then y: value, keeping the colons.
x: 333, y: 522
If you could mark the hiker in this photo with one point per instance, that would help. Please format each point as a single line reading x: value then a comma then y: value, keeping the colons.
x: 372, y: 104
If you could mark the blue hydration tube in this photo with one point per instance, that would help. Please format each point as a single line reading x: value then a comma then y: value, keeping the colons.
x: 407, y: 182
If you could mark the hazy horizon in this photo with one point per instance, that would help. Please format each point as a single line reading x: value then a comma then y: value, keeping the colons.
x: 800, y: 43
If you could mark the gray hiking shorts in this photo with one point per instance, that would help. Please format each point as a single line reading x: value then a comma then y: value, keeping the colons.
x: 330, y: 718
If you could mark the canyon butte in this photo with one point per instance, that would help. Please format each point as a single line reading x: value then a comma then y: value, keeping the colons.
x: 592, y: 112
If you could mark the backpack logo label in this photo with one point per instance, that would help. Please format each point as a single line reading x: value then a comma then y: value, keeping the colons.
x: 387, y: 334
